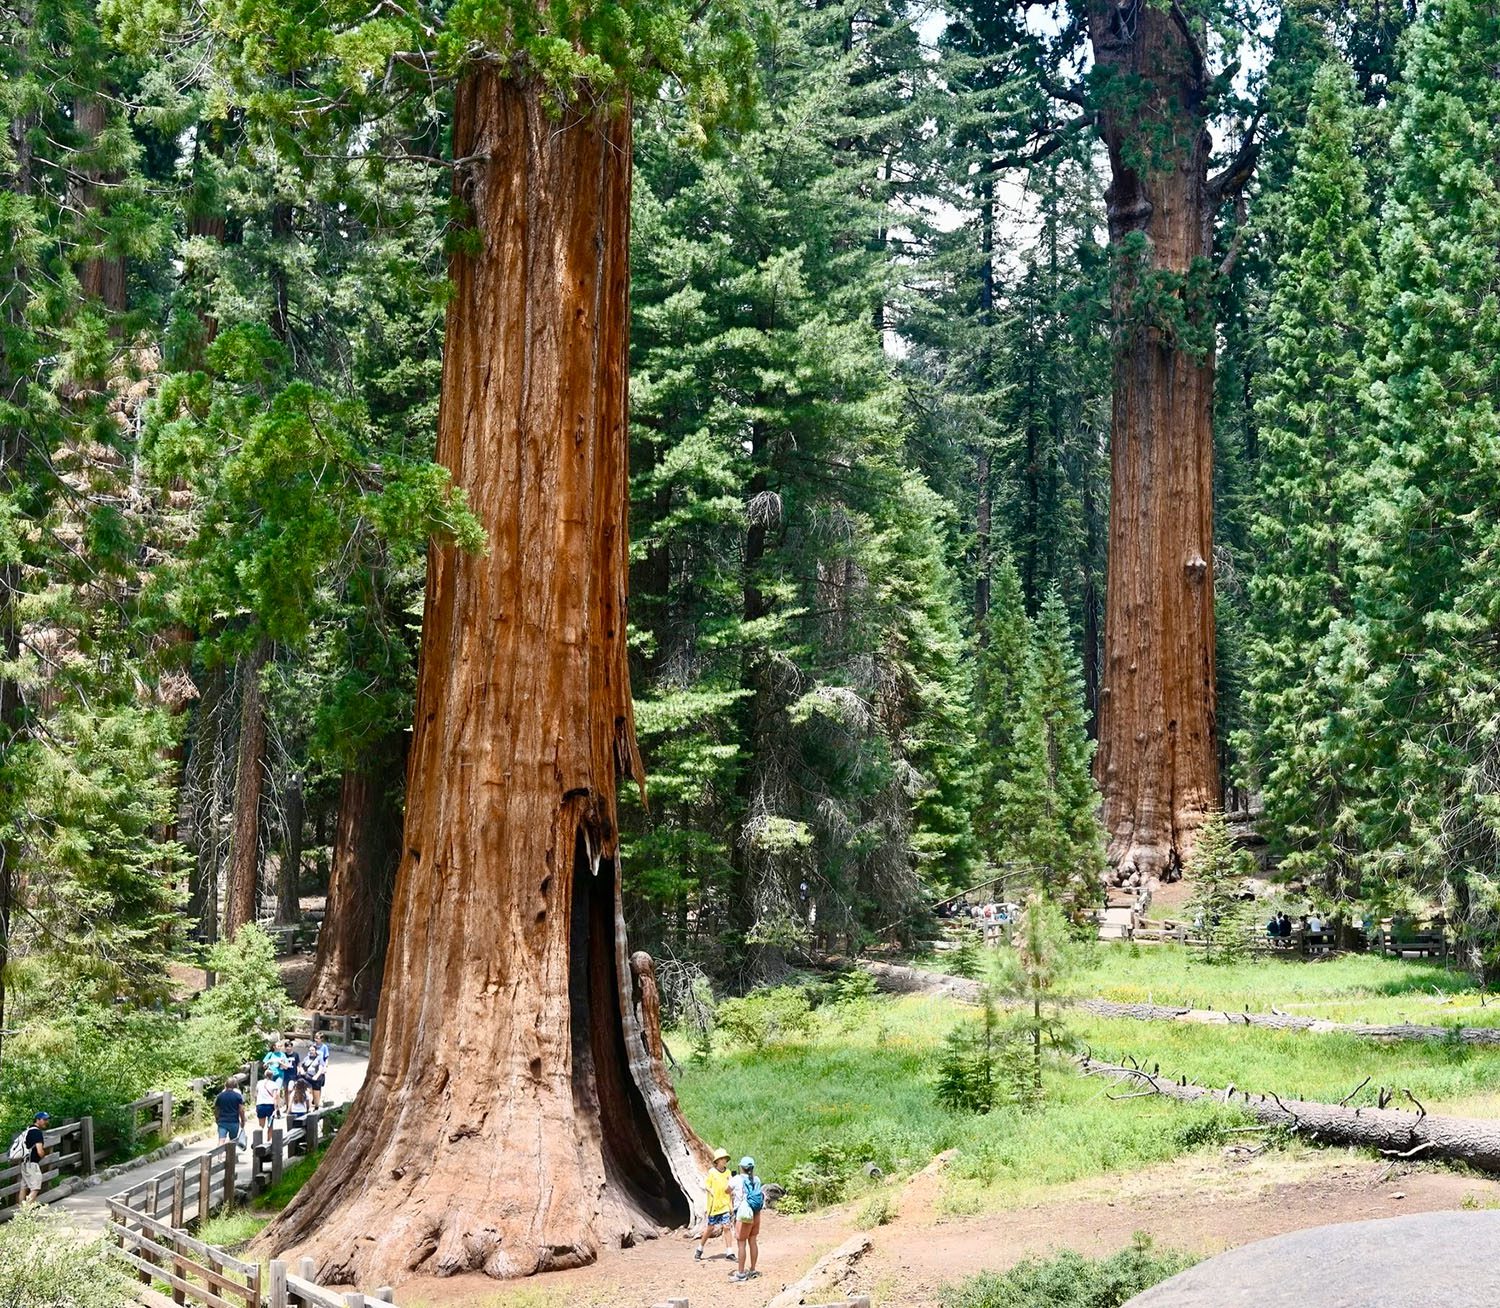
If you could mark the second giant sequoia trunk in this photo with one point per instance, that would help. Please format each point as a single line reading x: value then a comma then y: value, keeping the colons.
x: 512, y: 1120
x: 1157, y: 764
x: 366, y: 848
x: 243, y: 903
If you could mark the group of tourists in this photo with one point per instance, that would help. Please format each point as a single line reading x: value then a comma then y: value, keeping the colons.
x: 1280, y: 926
x: 291, y: 1086
x: 733, y: 1208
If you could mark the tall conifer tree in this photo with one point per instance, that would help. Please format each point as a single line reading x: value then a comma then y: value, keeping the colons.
x: 1313, y: 422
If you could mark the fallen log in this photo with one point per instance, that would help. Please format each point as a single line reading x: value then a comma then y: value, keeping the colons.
x: 896, y: 979
x: 1395, y: 1132
x: 835, y: 1269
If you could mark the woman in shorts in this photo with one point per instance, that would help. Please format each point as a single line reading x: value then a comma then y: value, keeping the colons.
x: 267, y: 1097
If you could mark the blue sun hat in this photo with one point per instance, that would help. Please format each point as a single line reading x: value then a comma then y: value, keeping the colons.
x: 747, y: 1164
x: 42, y: 1117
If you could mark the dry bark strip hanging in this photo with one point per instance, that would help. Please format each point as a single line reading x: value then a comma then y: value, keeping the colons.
x: 513, y: 1120
x: 895, y: 979
x: 1396, y: 1133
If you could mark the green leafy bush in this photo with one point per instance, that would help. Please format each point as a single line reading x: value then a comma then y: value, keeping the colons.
x: 766, y: 1017
x: 967, y: 960
x: 93, y: 1064
x: 44, y: 1266
x: 248, y: 1001
x: 1069, y: 1280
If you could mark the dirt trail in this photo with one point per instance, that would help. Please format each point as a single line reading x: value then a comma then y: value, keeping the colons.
x: 1204, y: 1203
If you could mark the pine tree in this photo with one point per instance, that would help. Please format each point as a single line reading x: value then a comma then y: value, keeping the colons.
x: 798, y: 668
x: 1219, y: 908
x: 1001, y: 673
x: 1050, y: 800
x: 1312, y: 422
x: 1423, y: 653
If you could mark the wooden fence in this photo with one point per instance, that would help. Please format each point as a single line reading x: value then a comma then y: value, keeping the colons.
x: 290, y: 1291
x: 70, y: 1151
x: 350, y: 1029
x: 186, y: 1194
x: 147, y: 1230
x: 269, y: 1150
x: 194, y: 1272
x: 297, y: 938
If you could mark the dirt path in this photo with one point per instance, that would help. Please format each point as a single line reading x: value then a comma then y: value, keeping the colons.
x: 1204, y: 1203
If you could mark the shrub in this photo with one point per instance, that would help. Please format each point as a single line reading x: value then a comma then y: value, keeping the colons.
x: 92, y: 1063
x: 766, y: 1016
x: 1069, y: 1280
x: 972, y: 1067
x: 248, y: 1001
x: 880, y: 1210
x: 967, y: 960
x: 854, y: 987
x: 44, y: 1266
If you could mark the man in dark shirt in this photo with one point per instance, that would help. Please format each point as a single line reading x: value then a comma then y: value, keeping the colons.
x: 36, y: 1150
x: 229, y: 1110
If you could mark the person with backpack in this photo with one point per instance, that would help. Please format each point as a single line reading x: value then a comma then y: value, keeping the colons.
x: 749, y: 1199
x: 31, y: 1144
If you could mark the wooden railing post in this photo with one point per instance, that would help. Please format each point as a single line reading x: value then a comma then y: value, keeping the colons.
x: 278, y: 1147
x: 229, y: 1172
x: 166, y: 1116
x: 179, y: 1196
x: 309, y: 1270
x: 276, y: 1296
x: 205, y: 1185
x: 86, y: 1146
x: 310, y: 1125
x: 353, y: 1299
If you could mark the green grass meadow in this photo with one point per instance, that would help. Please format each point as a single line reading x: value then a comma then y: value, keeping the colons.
x: 859, y: 1087
x: 1345, y: 987
x: 861, y: 1091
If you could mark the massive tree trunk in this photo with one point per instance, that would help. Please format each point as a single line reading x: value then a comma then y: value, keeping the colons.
x: 366, y: 850
x: 249, y: 786
x: 511, y: 1121
x: 1157, y: 762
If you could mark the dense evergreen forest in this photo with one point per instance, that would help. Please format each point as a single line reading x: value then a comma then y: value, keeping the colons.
x: 1048, y: 425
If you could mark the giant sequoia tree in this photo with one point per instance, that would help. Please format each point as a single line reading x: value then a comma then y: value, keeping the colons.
x: 1157, y: 762
x: 512, y: 1121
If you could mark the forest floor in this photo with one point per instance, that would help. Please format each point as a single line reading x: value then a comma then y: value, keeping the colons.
x: 1206, y: 1202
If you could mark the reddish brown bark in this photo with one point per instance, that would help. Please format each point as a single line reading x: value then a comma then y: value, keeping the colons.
x: 511, y: 1121
x: 289, y: 874
x: 249, y: 785
x: 1157, y: 763
x: 101, y: 278
x: 366, y: 849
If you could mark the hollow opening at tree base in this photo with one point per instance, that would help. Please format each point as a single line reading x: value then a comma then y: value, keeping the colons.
x: 635, y: 1166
